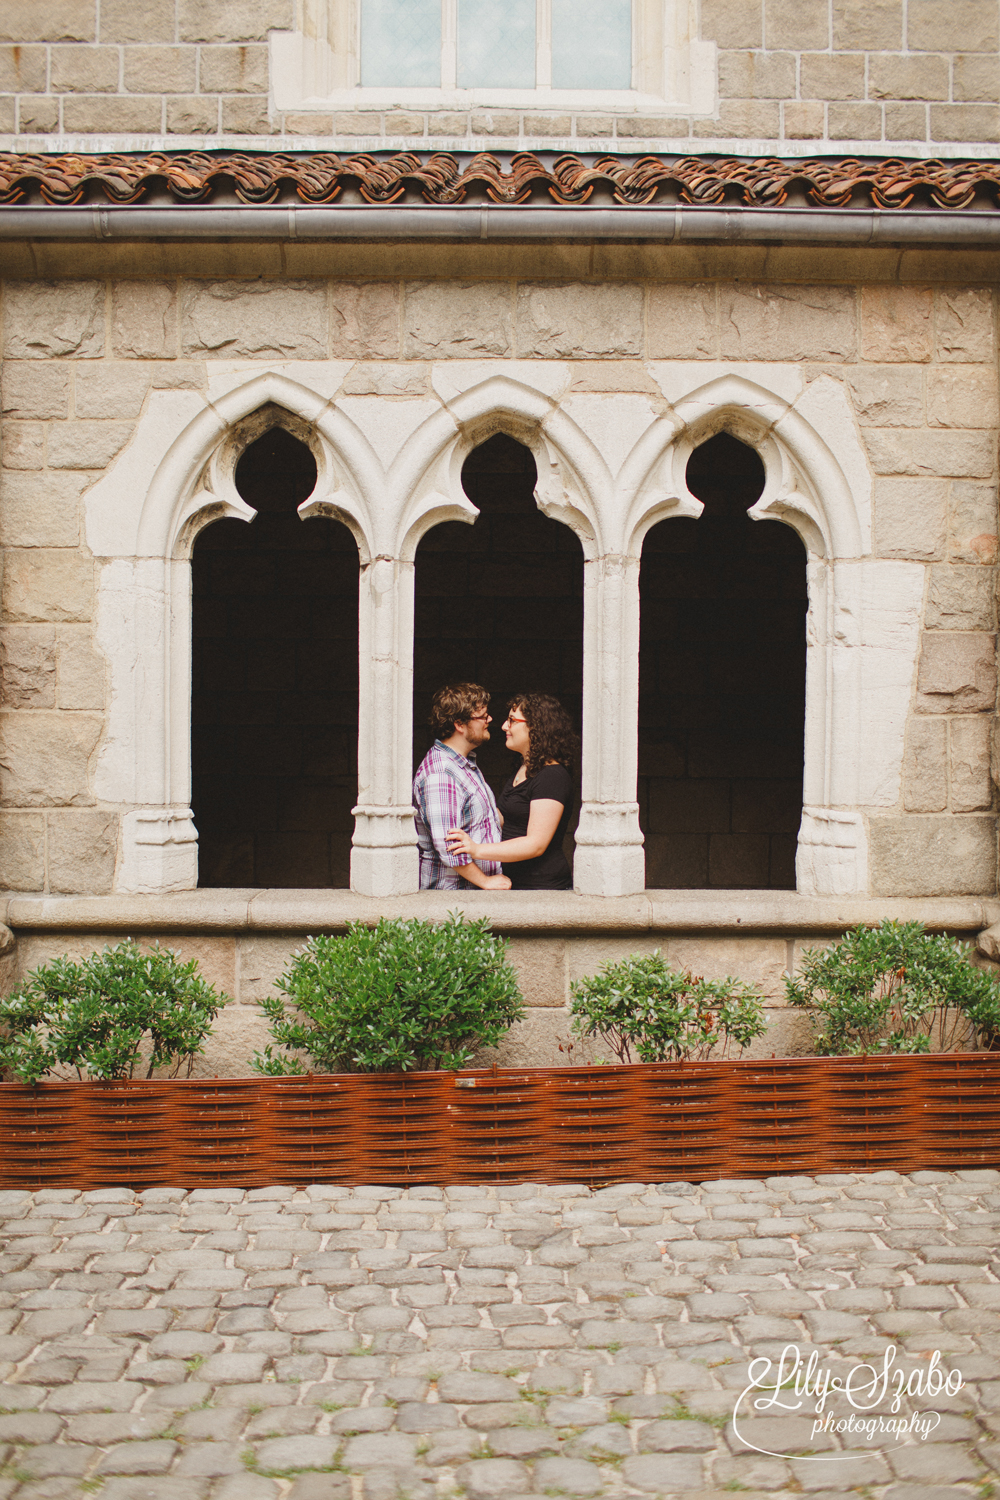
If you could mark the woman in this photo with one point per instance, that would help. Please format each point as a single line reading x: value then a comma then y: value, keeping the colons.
x: 535, y: 802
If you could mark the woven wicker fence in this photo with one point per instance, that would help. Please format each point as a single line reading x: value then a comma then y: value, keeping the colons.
x: 656, y: 1122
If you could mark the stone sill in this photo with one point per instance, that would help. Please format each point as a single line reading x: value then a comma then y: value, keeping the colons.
x: 305, y: 911
x: 689, y: 145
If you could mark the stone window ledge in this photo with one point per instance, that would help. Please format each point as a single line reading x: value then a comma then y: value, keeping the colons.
x: 303, y: 911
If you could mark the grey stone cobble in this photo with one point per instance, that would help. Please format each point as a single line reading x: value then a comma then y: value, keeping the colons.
x: 376, y: 1343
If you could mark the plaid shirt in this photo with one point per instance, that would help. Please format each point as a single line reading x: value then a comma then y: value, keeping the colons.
x: 450, y: 791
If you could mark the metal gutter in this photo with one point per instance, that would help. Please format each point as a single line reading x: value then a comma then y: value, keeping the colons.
x: 665, y: 225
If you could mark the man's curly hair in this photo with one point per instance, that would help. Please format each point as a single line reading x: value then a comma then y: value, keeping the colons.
x: 455, y: 704
x: 552, y: 736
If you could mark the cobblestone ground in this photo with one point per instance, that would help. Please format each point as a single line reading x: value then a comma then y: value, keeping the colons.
x: 523, y: 1341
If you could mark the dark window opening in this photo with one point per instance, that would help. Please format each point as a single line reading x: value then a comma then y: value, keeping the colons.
x: 274, y: 708
x: 499, y: 603
x: 722, y: 685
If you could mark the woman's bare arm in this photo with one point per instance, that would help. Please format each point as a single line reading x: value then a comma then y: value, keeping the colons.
x: 543, y: 820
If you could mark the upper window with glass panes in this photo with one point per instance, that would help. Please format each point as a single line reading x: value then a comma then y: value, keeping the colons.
x: 496, y: 44
x: 631, y: 55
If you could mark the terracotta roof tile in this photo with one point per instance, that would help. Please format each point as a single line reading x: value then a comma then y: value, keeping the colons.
x: 440, y: 178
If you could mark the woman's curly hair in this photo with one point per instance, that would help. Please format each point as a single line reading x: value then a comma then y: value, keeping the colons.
x: 552, y: 736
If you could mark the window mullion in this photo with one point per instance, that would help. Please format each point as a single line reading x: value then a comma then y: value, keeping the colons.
x: 543, y: 44
x: 652, y: 22
x: 449, y: 44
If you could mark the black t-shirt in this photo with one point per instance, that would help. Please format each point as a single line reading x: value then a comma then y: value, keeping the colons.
x: 548, y: 871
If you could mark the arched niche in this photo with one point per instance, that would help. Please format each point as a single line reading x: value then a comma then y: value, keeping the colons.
x: 499, y: 602
x: 274, y: 684
x: 723, y: 602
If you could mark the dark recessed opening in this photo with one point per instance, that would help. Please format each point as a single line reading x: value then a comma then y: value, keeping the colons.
x: 722, y: 685
x: 499, y: 603
x: 275, y: 683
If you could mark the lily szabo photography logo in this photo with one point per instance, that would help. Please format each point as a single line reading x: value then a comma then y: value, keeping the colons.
x: 859, y: 1401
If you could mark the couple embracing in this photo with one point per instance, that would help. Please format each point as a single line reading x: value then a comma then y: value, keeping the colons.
x: 466, y: 837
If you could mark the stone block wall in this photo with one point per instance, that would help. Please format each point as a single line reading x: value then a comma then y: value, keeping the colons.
x: 80, y: 359
x: 788, y: 73
x: 159, y: 67
x: 247, y: 967
x: 860, y: 70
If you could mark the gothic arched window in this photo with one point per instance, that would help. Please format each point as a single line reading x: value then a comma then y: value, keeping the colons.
x: 722, y: 663
x: 274, y: 702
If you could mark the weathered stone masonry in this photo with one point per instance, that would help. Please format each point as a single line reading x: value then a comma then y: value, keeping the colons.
x: 857, y: 72
x: 896, y: 382
x: 911, y: 369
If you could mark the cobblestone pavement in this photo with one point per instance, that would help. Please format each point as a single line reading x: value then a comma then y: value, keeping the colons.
x: 523, y: 1341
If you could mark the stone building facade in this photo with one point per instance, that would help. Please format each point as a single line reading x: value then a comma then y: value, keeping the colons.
x: 869, y: 76
x: 688, y: 415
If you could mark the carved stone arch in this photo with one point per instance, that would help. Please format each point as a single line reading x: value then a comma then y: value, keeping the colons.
x: 194, y: 483
x: 806, y: 483
x: 817, y: 480
x: 142, y: 520
x: 574, y: 487
x: 573, y: 480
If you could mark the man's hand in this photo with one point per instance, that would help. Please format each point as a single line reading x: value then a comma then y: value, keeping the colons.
x: 496, y: 883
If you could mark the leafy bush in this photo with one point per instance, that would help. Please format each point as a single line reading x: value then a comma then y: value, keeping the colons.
x: 664, y: 1014
x: 392, y: 998
x: 107, y: 1015
x: 888, y: 988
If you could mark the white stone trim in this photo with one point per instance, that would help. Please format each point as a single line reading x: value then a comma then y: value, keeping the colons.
x: 182, y: 469
x: 832, y: 857
x: 157, y: 850
x: 609, y: 483
x: 627, y: 146
x: 823, y: 495
x: 862, y: 627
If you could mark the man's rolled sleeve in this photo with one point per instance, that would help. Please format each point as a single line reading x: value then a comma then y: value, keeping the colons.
x: 444, y: 808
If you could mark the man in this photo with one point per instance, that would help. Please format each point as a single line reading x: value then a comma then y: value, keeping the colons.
x: 450, y: 791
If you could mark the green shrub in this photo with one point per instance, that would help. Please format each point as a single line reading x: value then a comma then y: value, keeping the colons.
x: 392, y: 998
x: 887, y: 988
x: 662, y: 1014
x: 107, y: 1015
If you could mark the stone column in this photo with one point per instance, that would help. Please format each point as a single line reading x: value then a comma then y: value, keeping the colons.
x: 609, y: 855
x: 144, y: 765
x: 384, y: 856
